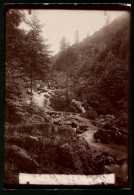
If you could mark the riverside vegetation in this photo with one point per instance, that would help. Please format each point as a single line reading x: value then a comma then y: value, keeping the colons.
x: 76, y: 120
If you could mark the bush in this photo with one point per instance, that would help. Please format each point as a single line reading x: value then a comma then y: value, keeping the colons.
x: 61, y: 101
x: 90, y: 114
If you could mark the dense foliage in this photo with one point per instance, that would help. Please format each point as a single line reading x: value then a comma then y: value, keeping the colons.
x: 26, y: 54
x: 27, y: 49
x: 99, y: 67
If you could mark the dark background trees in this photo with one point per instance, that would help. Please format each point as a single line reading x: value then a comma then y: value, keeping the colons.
x: 63, y: 43
x: 102, y: 63
x: 25, y: 47
x: 96, y: 70
x: 26, y: 57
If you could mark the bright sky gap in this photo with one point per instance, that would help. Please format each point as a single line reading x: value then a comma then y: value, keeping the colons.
x: 58, y: 23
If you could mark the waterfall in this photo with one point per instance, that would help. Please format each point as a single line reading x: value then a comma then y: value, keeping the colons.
x: 42, y: 99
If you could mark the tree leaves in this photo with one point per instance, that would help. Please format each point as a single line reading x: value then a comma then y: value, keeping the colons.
x: 27, y: 47
x: 100, y: 61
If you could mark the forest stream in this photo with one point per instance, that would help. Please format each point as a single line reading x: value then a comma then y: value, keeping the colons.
x: 117, y: 152
x: 66, y: 101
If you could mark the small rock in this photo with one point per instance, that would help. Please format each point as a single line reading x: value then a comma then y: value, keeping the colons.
x: 56, y: 119
x: 109, y: 160
x: 28, y: 102
x: 46, y: 96
x: 68, y: 122
x: 75, y: 124
x: 28, y: 91
x: 38, y: 86
x: 106, y: 126
x: 110, y: 116
x: 83, y: 128
x: 57, y: 123
x: 78, y: 131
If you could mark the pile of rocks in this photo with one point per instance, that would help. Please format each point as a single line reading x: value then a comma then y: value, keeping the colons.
x: 109, y: 131
x: 51, y: 149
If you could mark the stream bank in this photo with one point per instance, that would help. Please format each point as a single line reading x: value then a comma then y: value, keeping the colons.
x: 68, y: 141
x: 117, y: 159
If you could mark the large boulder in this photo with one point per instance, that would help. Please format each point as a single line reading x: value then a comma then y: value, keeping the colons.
x: 101, y: 135
x: 107, y: 121
x: 77, y: 105
x: 65, y: 132
x: 76, y: 155
x: 83, y: 127
x: 14, y: 113
x: 90, y: 114
x: 121, y: 139
x: 21, y: 158
x: 75, y: 124
x: 65, y: 155
x: 45, y: 129
x: 30, y: 142
x: 109, y: 130
x: 24, y: 141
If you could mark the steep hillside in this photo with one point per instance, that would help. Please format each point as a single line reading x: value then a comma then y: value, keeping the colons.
x: 98, y: 68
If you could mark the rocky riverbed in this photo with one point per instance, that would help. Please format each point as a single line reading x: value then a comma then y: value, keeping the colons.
x: 65, y: 143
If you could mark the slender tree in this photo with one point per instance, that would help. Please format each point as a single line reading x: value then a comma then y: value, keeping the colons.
x: 26, y: 52
x: 63, y: 43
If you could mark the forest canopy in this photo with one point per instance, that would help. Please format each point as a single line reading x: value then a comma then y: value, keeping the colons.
x: 25, y: 48
x: 101, y: 62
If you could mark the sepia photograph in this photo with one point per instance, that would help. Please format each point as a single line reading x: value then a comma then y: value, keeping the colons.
x: 67, y: 75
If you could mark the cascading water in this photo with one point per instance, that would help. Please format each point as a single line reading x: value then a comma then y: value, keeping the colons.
x: 42, y: 99
x: 38, y: 99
